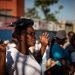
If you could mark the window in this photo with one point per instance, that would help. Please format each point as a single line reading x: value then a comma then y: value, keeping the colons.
x: 5, y: 12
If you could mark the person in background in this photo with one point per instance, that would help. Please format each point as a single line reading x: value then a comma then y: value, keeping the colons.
x: 69, y: 45
x: 1, y: 42
x: 71, y: 49
x: 69, y: 36
x: 58, y: 53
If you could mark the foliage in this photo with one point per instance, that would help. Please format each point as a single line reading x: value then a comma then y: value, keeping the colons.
x: 32, y: 13
x: 44, y: 5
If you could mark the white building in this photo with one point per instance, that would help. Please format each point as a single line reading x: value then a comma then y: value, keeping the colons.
x: 48, y: 25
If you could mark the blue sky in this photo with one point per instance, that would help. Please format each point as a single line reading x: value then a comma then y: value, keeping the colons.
x: 67, y: 13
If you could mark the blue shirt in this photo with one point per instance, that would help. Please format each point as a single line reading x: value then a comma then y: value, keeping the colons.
x: 57, y: 53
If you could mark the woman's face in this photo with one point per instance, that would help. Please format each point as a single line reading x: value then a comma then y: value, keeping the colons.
x: 30, y: 36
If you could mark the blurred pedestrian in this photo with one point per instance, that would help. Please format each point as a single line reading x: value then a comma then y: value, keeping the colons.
x: 58, y: 53
x: 71, y: 49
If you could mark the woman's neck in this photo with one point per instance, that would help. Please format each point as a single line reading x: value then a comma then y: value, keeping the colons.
x: 23, y: 48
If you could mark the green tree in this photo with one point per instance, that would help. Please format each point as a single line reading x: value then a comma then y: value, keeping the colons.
x: 60, y: 7
x: 44, y: 5
x: 31, y: 12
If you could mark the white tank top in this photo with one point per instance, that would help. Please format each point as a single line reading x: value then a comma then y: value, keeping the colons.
x: 20, y: 64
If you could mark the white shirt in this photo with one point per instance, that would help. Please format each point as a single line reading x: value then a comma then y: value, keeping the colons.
x: 21, y: 64
x: 44, y: 59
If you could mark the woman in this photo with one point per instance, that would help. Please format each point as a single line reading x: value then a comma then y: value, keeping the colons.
x: 21, y: 61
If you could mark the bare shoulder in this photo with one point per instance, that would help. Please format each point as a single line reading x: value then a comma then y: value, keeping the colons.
x: 2, y: 48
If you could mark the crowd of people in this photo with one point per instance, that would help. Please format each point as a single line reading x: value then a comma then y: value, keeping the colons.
x: 24, y: 55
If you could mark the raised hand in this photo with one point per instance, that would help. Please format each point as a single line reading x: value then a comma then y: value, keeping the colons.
x: 44, y: 40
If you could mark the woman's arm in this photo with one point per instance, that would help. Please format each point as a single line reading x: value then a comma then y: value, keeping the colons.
x: 2, y: 60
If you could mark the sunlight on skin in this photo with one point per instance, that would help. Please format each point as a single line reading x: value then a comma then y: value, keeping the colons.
x: 50, y: 63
